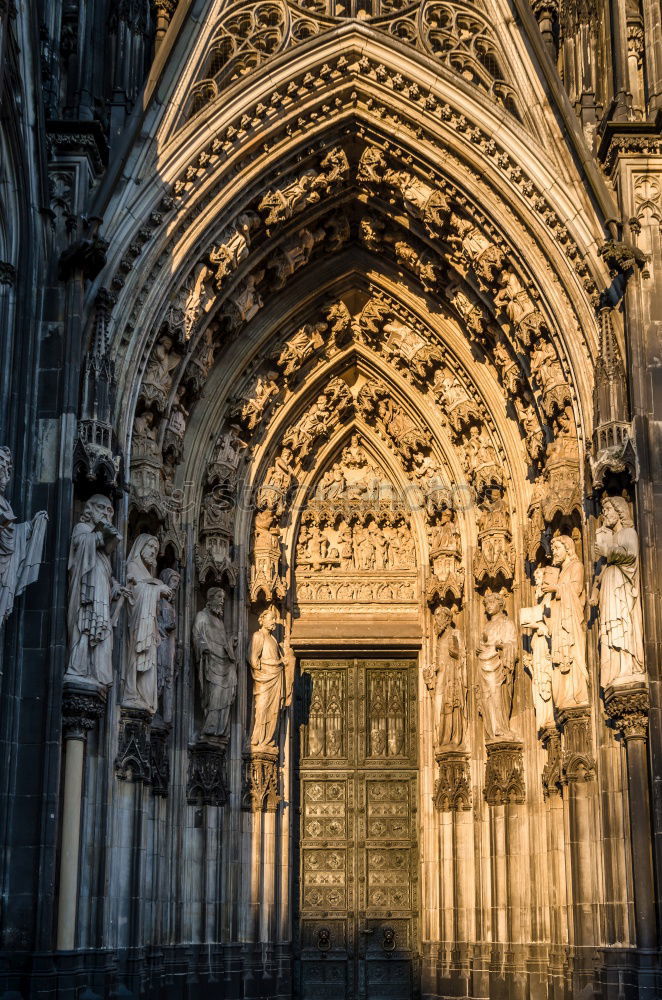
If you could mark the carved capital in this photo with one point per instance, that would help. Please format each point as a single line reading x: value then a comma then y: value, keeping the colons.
x: 504, y: 773
x: 82, y: 705
x: 205, y: 781
x: 132, y: 762
x: 159, y: 757
x: 261, y: 779
x: 552, y: 778
x: 452, y: 790
x: 627, y: 705
x: 577, y: 760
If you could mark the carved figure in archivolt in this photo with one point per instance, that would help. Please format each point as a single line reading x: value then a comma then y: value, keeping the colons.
x: 300, y: 347
x: 568, y: 625
x: 250, y: 408
x: 21, y: 545
x: 447, y: 681
x: 217, y: 664
x: 92, y: 593
x: 145, y: 435
x: 313, y: 424
x: 616, y: 591
x: 538, y: 662
x: 445, y: 547
x: 497, y: 655
x: 157, y: 379
x: 144, y: 593
x: 267, y: 662
x: 166, y: 654
x: 234, y: 246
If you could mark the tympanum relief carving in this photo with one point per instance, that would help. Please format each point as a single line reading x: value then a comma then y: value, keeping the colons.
x: 355, y: 544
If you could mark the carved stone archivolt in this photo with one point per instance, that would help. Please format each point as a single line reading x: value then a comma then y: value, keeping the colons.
x: 459, y: 36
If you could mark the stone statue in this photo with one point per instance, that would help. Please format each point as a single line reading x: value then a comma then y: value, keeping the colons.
x: 497, y: 655
x: 267, y: 665
x: 538, y: 662
x: 144, y: 592
x: 21, y: 545
x: 157, y: 380
x: 166, y: 654
x: 568, y: 626
x: 616, y: 592
x: 92, y: 593
x: 447, y: 681
x: 217, y: 664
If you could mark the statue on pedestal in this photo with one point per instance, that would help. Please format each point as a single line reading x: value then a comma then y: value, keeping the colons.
x: 538, y: 662
x: 267, y: 663
x: 93, y: 591
x: 217, y: 664
x: 497, y: 655
x: 568, y: 626
x: 447, y: 681
x: 616, y: 592
x: 21, y: 545
x: 144, y: 592
x: 166, y: 656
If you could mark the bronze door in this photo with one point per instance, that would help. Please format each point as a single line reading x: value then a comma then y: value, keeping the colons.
x: 357, y: 850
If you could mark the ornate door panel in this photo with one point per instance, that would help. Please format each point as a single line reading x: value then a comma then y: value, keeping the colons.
x: 357, y: 853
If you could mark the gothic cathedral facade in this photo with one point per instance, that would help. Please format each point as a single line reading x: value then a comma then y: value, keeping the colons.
x: 331, y: 499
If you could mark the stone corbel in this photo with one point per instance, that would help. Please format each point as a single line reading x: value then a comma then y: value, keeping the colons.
x: 260, y: 781
x: 504, y: 773
x: 83, y: 703
x: 627, y: 706
x: 206, y: 781
x: 132, y: 762
x: 452, y: 789
x: 577, y: 760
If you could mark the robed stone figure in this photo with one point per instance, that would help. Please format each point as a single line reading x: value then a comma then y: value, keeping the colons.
x: 94, y: 596
x: 267, y: 663
x: 616, y: 591
x: 568, y: 626
x: 217, y: 664
x: 166, y: 654
x: 447, y: 681
x: 21, y: 545
x: 497, y: 655
x: 538, y: 662
x: 144, y: 591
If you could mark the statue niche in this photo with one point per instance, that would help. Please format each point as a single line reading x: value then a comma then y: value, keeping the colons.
x: 355, y: 543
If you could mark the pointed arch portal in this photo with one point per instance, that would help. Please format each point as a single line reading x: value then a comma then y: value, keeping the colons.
x: 349, y: 327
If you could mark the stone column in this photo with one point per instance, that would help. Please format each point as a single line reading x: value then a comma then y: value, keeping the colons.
x: 552, y: 787
x: 578, y: 770
x: 83, y: 703
x: 627, y: 706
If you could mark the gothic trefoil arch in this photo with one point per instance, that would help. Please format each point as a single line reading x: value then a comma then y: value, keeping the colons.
x: 329, y: 603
